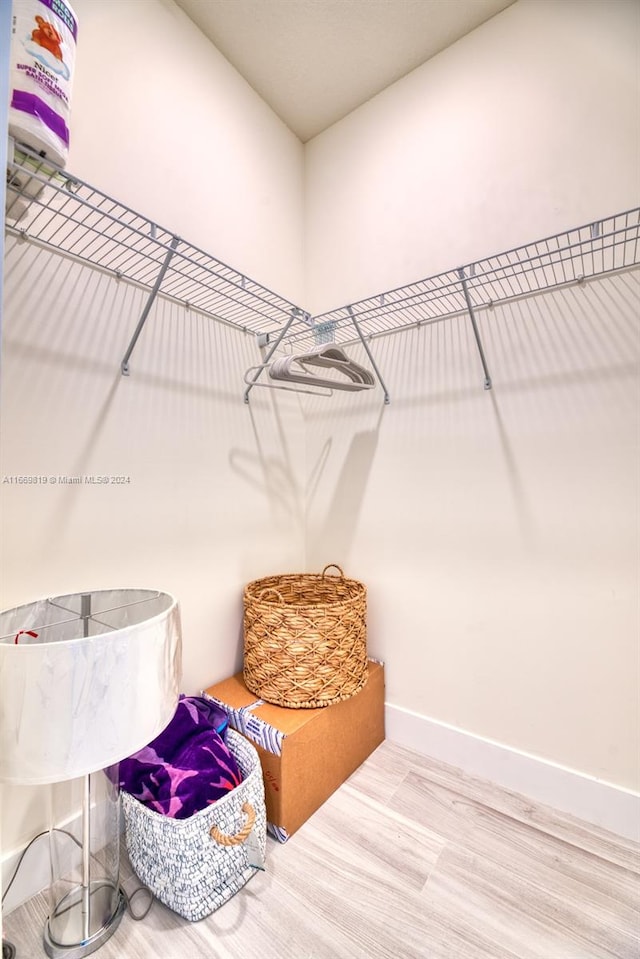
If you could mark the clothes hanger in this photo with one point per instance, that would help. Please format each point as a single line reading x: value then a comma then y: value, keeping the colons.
x: 333, y: 357
x: 293, y: 369
x: 270, y: 386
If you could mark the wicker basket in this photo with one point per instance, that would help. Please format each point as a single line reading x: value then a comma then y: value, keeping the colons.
x: 195, y: 865
x: 305, y: 638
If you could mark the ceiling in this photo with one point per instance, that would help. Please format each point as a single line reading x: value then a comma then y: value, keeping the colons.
x: 314, y: 61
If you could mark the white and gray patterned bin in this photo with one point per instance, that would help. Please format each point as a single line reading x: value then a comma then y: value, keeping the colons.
x: 195, y: 865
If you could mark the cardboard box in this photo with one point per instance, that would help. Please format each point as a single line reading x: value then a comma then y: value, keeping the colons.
x: 305, y: 753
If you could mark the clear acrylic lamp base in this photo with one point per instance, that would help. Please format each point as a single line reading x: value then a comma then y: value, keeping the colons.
x: 74, y: 930
x: 85, y: 900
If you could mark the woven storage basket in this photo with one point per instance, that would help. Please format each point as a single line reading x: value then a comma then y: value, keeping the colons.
x: 305, y: 638
x: 195, y: 865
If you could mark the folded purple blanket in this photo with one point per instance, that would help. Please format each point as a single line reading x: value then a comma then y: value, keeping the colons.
x: 187, y: 767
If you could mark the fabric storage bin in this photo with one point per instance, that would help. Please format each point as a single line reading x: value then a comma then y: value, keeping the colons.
x: 305, y: 638
x: 195, y: 865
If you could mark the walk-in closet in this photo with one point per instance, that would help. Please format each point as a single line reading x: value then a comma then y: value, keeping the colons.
x: 405, y: 343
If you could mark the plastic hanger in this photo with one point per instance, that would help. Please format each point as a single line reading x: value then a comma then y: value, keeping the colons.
x: 301, y: 368
x: 293, y: 369
x: 333, y: 357
x: 328, y: 391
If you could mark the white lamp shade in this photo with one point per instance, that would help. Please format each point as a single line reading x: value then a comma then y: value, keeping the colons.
x: 100, y: 680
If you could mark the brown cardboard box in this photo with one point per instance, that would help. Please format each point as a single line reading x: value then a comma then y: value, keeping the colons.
x: 305, y: 753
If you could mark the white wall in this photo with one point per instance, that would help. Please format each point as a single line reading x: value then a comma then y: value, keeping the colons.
x: 214, y: 497
x: 161, y: 121
x: 525, y: 127
x: 498, y: 531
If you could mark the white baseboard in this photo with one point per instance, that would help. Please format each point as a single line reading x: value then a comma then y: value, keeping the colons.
x: 592, y: 800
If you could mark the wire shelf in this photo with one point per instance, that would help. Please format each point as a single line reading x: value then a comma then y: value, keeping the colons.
x: 574, y: 256
x: 60, y: 212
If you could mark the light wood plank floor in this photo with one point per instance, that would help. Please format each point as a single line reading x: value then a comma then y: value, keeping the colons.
x: 409, y: 859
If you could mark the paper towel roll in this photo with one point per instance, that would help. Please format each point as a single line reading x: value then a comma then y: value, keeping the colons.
x: 42, y: 60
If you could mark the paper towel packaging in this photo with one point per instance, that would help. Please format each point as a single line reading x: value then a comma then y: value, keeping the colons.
x: 41, y: 64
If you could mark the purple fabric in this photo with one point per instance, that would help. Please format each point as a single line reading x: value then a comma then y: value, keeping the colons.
x: 187, y: 767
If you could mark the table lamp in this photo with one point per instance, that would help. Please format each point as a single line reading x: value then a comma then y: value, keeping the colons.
x: 86, y: 679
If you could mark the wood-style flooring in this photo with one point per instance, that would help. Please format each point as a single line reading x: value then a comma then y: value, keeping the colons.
x: 409, y: 859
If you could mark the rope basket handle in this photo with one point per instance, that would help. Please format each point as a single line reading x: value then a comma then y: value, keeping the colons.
x: 271, y: 589
x: 333, y: 566
x: 239, y: 837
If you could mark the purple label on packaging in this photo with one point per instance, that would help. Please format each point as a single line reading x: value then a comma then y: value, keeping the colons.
x: 35, y: 107
x: 62, y: 11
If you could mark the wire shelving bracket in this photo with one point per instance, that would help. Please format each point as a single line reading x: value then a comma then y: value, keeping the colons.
x: 295, y: 314
x: 369, y: 354
x: 124, y: 366
x: 476, y: 332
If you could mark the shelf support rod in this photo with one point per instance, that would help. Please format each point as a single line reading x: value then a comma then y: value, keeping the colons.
x: 283, y: 332
x: 369, y: 354
x: 124, y: 366
x: 465, y: 290
x: 86, y: 858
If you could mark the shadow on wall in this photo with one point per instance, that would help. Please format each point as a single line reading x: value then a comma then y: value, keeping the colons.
x: 271, y: 471
x: 513, y: 473
x: 563, y: 365
x: 334, y: 536
x: 81, y: 465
